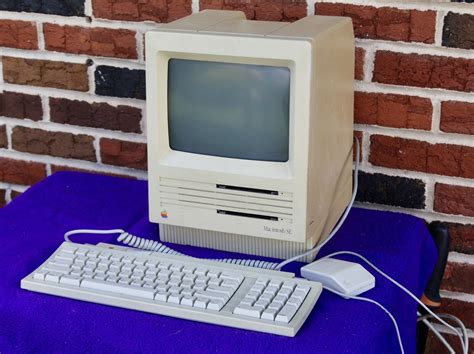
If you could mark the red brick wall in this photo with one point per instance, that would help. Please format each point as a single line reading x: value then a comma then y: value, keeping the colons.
x: 72, y: 90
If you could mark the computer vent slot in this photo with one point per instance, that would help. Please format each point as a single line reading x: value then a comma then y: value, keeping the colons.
x: 233, y: 242
x: 234, y: 201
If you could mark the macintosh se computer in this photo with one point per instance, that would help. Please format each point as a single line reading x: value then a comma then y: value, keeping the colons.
x: 250, y: 131
x: 250, y: 135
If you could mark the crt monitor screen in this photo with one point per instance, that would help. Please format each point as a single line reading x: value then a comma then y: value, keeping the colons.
x: 229, y: 110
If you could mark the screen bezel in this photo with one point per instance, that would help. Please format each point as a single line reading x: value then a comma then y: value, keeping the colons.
x: 295, y: 55
x: 281, y: 65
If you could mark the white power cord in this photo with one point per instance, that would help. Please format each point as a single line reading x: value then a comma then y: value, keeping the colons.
x: 360, y: 298
x: 436, y: 332
x: 462, y: 336
x: 341, y: 220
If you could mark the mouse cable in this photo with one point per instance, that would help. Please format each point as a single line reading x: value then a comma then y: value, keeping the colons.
x: 360, y: 298
x: 462, y: 336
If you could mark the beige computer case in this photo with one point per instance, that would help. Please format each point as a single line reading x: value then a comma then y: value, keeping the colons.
x: 314, y: 187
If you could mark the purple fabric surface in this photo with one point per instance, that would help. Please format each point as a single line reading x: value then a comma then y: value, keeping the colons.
x: 32, y: 227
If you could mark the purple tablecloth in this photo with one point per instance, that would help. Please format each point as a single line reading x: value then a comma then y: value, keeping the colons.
x: 32, y: 227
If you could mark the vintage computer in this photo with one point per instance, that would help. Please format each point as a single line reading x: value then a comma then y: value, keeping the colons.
x: 250, y: 131
x: 249, y: 128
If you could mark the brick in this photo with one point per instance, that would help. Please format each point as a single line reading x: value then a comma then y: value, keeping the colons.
x: 458, y: 30
x: 461, y: 309
x: 457, y: 200
x: 424, y: 71
x: 22, y: 106
x: 395, y: 111
x: 45, y: 73
x: 50, y: 7
x: 387, y: 23
x: 435, y: 346
x: 3, y: 137
x: 459, y: 277
x: 359, y: 63
x: 95, y: 115
x: 408, y: 154
x: 96, y: 41
x: 3, y: 200
x: 123, y: 153
x: 58, y: 144
x: 58, y: 168
x: 462, y: 238
x: 21, y: 172
x: 457, y: 117
x: 141, y: 10
x: 120, y: 82
x: 18, y: 34
x: 390, y: 190
x: 264, y: 10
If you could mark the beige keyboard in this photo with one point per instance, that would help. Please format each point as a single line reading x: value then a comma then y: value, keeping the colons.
x: 179, y: 286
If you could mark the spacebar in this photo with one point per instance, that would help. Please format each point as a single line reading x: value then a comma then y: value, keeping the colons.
x: 117, y: 288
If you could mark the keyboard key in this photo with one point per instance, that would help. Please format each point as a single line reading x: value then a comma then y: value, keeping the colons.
x: 161, y: 296
x: 288, y: 285
x: 76, y: 273
x: 104, y: 256
x: 189, y: 270
x: 139, y: 261
x: 280, y: 299
x: 112, y: 279
x: 247, y: 311
x: 148, y: 285
x: 55, y: 269
x: 213, y: 273
x: 299, y: 294
x: 153, y: 263
x: 261, y: 303
x: 188, y: 292
x: 231, y: 284
x: 230, y: 276
x: 53, y: 277
x: 262, y: 281
x: 65, y: 257
x: 162, y: 288
x: 100, y: 277
x: 212, y: 295
x: 164, y: 265
x: 221, y: 289
x: 286, y: 313
x: 176, y: 268
x: 269, y: 314
x: 187, y: 300
x: 174, y: 290
x: 116, y: 258
x: 82, y: 251
x: 201, y: 303
x: 175, y: 298
x: 118, y: 288
x: 39, y: 275
x: 128, y: 260
x: 215, y: 281
x: 258, y: 288
x: 285, y: 292
x: 201, y: 271
x: 215, y: 305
